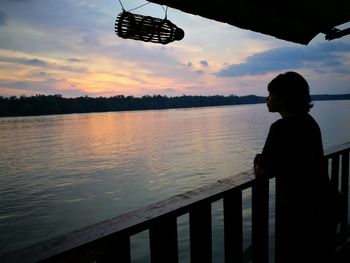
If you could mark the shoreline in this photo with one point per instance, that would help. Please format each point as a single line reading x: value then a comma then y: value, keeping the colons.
x: 41, y: 105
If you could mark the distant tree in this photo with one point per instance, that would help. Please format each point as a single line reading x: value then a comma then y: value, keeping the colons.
x: 56, y: 104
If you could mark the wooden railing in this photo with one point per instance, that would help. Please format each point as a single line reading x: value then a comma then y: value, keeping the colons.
x: 109, y: 241
x: 338, y: 166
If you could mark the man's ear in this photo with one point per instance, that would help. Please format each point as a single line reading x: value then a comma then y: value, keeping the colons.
x: 282, y: 101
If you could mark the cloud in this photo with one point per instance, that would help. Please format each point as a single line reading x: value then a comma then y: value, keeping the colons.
x: 324, y: 57
x: 189, y: 64
x: 3, y: 18
x: 169, y: 90
x: 204, y: 63
x: 74, y: 59
x: 195, y: 88
x: 49, y: 25
x: 63, y: 65
x: 49, y: 86
x: 35, y: 62
x: 23, y: 61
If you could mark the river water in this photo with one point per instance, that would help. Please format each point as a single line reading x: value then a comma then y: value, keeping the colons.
x: 63, y: 172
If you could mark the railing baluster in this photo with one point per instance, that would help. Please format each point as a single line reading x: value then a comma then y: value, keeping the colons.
x: 335, y: 171
x: 200, y: 234
x: 344, y: 194
x: 233, y: 227
x: 260, y: 221
x: 163, y: 241
x: 115, y: 249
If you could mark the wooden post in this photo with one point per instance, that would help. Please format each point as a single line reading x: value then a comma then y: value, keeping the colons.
x: 335, y: 171
x: 260, y: 221
x: 116, y: 249
x: 200, y: 234
x: 233, y: 227
x: 344, y: 195
x: 163, y: 241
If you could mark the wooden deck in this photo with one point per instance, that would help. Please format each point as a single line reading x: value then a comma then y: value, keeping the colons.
x: 109, y: 241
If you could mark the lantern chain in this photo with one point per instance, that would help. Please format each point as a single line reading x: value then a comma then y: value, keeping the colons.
x: 165, y: 9
x: 121, y: 4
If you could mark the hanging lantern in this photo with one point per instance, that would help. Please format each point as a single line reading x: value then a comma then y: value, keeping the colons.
x: 147, y: 28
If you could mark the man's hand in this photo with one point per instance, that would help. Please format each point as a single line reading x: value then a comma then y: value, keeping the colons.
x: 258, y: 170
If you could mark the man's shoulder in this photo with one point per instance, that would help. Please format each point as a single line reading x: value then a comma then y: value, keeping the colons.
x: 278, y: 124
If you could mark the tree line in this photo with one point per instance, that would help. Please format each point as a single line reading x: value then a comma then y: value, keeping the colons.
x: 56, y: 104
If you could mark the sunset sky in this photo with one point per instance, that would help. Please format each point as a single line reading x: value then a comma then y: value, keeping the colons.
x: 69, y: 47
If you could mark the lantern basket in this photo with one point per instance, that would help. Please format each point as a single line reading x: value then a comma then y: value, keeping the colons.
x: 147, y: 28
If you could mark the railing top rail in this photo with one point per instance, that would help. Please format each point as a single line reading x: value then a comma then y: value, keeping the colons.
x: 138, y: 220
x: 337, y: 149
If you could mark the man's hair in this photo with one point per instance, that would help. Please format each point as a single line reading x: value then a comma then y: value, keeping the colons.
x: 294, y: 89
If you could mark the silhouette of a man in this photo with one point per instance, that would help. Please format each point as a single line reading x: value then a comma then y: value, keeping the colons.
x: 293, y: 154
